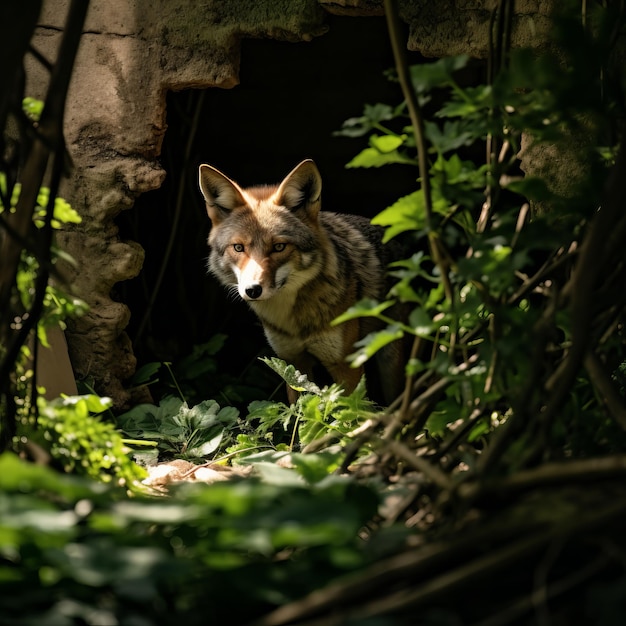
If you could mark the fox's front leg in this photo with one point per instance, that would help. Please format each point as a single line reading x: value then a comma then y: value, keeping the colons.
x: 342, y: 341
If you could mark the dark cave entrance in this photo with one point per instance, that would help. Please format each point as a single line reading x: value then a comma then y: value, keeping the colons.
x: 290, y: 100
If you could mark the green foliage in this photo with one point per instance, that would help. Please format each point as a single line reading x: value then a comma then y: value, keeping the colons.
x: 58, y: 304
x: 316, y: 413
x: 74, y: 550
x: 207, y: 431
x: 68, y: 427
x: 32, y: 107
x: 84, y: 444
x: 177, y: 430
x: 469, y: 289
x: 485, y: 296
x: 63, y: 213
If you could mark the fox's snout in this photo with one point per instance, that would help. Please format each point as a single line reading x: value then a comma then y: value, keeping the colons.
x: 258, y: 279
x: 254, y: 292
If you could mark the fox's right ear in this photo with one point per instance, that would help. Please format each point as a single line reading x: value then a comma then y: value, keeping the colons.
x: 221, y: 194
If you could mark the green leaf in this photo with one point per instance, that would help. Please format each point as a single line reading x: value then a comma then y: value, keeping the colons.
x: 32, y: 107
x: 378, y: 112
x: 169, y: 407
x: 471, y: 103
x: 19, y: 476
x: 63, y: 213
x: 371, y: 118
x: 451, y: 136
x: 294, y: 378
x: 363, y: 308
x: 279, y: 476
x: 481, y: 428
x: 406, y: 214
x: 531, y: 187
x: 372, y: 343
x: 260, y: 408
x: 145, y: 374
x: 92, y: 403
x: 438, y: 421
x: 372, y: 157
x: 139, y: 421
x: 407, y: 270
x: 387, y: 143
x: 200, y: 361
x: 316, y: 467
x: 354, y: 127
x: 83, y: 442
x: 228, y: 415
x: 206, y: 447
x: 427, y: 76
x: 421, y: 322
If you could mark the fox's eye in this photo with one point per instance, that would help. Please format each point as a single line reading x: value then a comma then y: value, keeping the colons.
x: 239, y: 247
x: 279, y: 247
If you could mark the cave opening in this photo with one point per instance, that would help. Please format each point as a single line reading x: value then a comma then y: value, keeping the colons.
x: 290, y: 100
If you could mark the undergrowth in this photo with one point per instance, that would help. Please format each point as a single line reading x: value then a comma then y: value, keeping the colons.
x: 490, y: 489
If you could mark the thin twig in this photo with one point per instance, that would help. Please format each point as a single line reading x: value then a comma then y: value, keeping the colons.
x: 414, y: 110
x: 50, y: 134
x: 522, y: 401
x: 408, y: 385
x: 601, y: 380
x: 546, y: 270
x: 590, y: 265
x: 370, y: 594
x: 425, y: 398
x: 548, y: 474
x: 419, y: 464
x: 417, y: 123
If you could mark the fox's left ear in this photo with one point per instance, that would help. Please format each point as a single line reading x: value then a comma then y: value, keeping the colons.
x: 302, y: 189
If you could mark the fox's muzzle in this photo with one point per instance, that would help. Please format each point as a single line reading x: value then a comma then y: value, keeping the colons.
x: 253, y: 291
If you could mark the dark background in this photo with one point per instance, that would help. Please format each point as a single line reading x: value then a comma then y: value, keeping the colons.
x: 290, y: 100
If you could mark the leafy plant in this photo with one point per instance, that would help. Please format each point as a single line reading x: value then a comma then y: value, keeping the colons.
x: 318, y: 413
x: 319, y: 417
x: 476, y: 287
x: 503, y: 460
x: 58, y: 304
x: 67, y: 427
x: 76, y: 550
x: 83, y: 443
x: 177, y: 430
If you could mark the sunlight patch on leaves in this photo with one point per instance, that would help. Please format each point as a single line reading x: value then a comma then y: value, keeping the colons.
x: 372, y: 343
x: 363, y: 308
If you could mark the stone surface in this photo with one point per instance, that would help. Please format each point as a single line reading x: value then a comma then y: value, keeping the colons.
x: 450, y: 27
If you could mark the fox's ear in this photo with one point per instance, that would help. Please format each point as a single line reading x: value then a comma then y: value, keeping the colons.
x: 222, y: 195
x: 302, y: 189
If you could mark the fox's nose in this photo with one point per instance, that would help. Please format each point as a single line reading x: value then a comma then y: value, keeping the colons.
x: 254, y: 291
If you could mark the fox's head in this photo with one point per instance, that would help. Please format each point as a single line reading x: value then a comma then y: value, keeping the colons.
x: 264, y: 240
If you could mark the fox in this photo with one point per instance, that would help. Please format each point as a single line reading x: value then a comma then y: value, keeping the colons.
x: 298, y: 268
